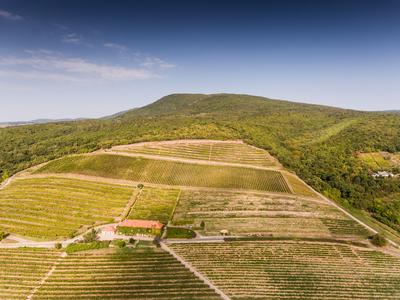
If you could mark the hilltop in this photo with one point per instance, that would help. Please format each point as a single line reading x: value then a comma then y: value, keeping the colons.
x: 317, y: 142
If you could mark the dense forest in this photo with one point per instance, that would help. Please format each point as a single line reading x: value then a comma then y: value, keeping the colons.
x: 318, y: 143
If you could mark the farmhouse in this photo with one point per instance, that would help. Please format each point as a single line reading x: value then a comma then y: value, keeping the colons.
x: 107, y: 232
x: 147, y: 227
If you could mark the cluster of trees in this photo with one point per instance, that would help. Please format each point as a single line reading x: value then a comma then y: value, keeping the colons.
x: 316, y: 142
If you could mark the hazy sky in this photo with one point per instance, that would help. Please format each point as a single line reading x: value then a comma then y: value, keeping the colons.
x: 93, y: 58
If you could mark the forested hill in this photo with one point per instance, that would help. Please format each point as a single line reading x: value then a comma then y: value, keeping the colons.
x: 317, y: 142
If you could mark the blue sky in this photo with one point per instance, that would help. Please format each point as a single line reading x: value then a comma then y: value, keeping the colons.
x: 72, y: 58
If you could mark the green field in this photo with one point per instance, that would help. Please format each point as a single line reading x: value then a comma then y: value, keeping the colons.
x: 146, y: 273
x: 22, y: 269
x: 169, y: 172
x: 299, y: 187
x: 180, y: 233
x: 290, y: 270
x: 378, y: 160
x: 232, y: 152
x: 155, y: 204
x: 49, y: 208
x: 256, y: 213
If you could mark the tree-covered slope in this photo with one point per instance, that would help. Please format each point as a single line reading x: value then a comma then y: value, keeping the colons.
x: 315, y: 141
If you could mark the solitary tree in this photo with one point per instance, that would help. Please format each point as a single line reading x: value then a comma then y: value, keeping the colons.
x: 202, y: 224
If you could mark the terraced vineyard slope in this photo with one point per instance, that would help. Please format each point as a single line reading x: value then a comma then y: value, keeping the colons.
x: 285, y: 240
x: 51, y: 208
x: 293, y: 270
x: 22, y: 269
x: 169, y: 172
x: 245, y: 213
x: 209, y: 150
x: 147, y: 273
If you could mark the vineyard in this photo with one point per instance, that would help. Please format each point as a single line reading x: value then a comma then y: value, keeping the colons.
x: 294, y: 270
x: 256, y: 213
x: 22, y: 269
x: 155, y: 204
x: 51, y: 208
x: 232, y: 152
x: 146, y: 273
x: 170, y: 172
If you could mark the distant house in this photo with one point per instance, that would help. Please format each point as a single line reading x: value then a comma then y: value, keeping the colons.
x: 382, y: 174
x: 146, y: 227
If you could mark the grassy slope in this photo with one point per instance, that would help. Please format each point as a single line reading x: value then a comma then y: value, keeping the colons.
x: 305, y: 138
x: 379, y: 161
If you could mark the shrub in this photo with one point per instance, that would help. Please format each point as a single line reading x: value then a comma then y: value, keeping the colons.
x: 91, y: 236
x: 378, y: 240
x: 4, y: 176
x: 119, y: 243
x: 132, y: 240
x: 134, y: 231
x: 75, y: 247
x: 58, y: 246
x: 140, y: 186
x: 180, y: 233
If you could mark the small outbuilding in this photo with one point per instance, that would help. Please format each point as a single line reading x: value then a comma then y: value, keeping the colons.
x: 224, y: 232
x: 107, y: 232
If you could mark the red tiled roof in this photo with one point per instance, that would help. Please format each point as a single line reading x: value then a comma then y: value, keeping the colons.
x: 109, y: 229
x: 141, y: 224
